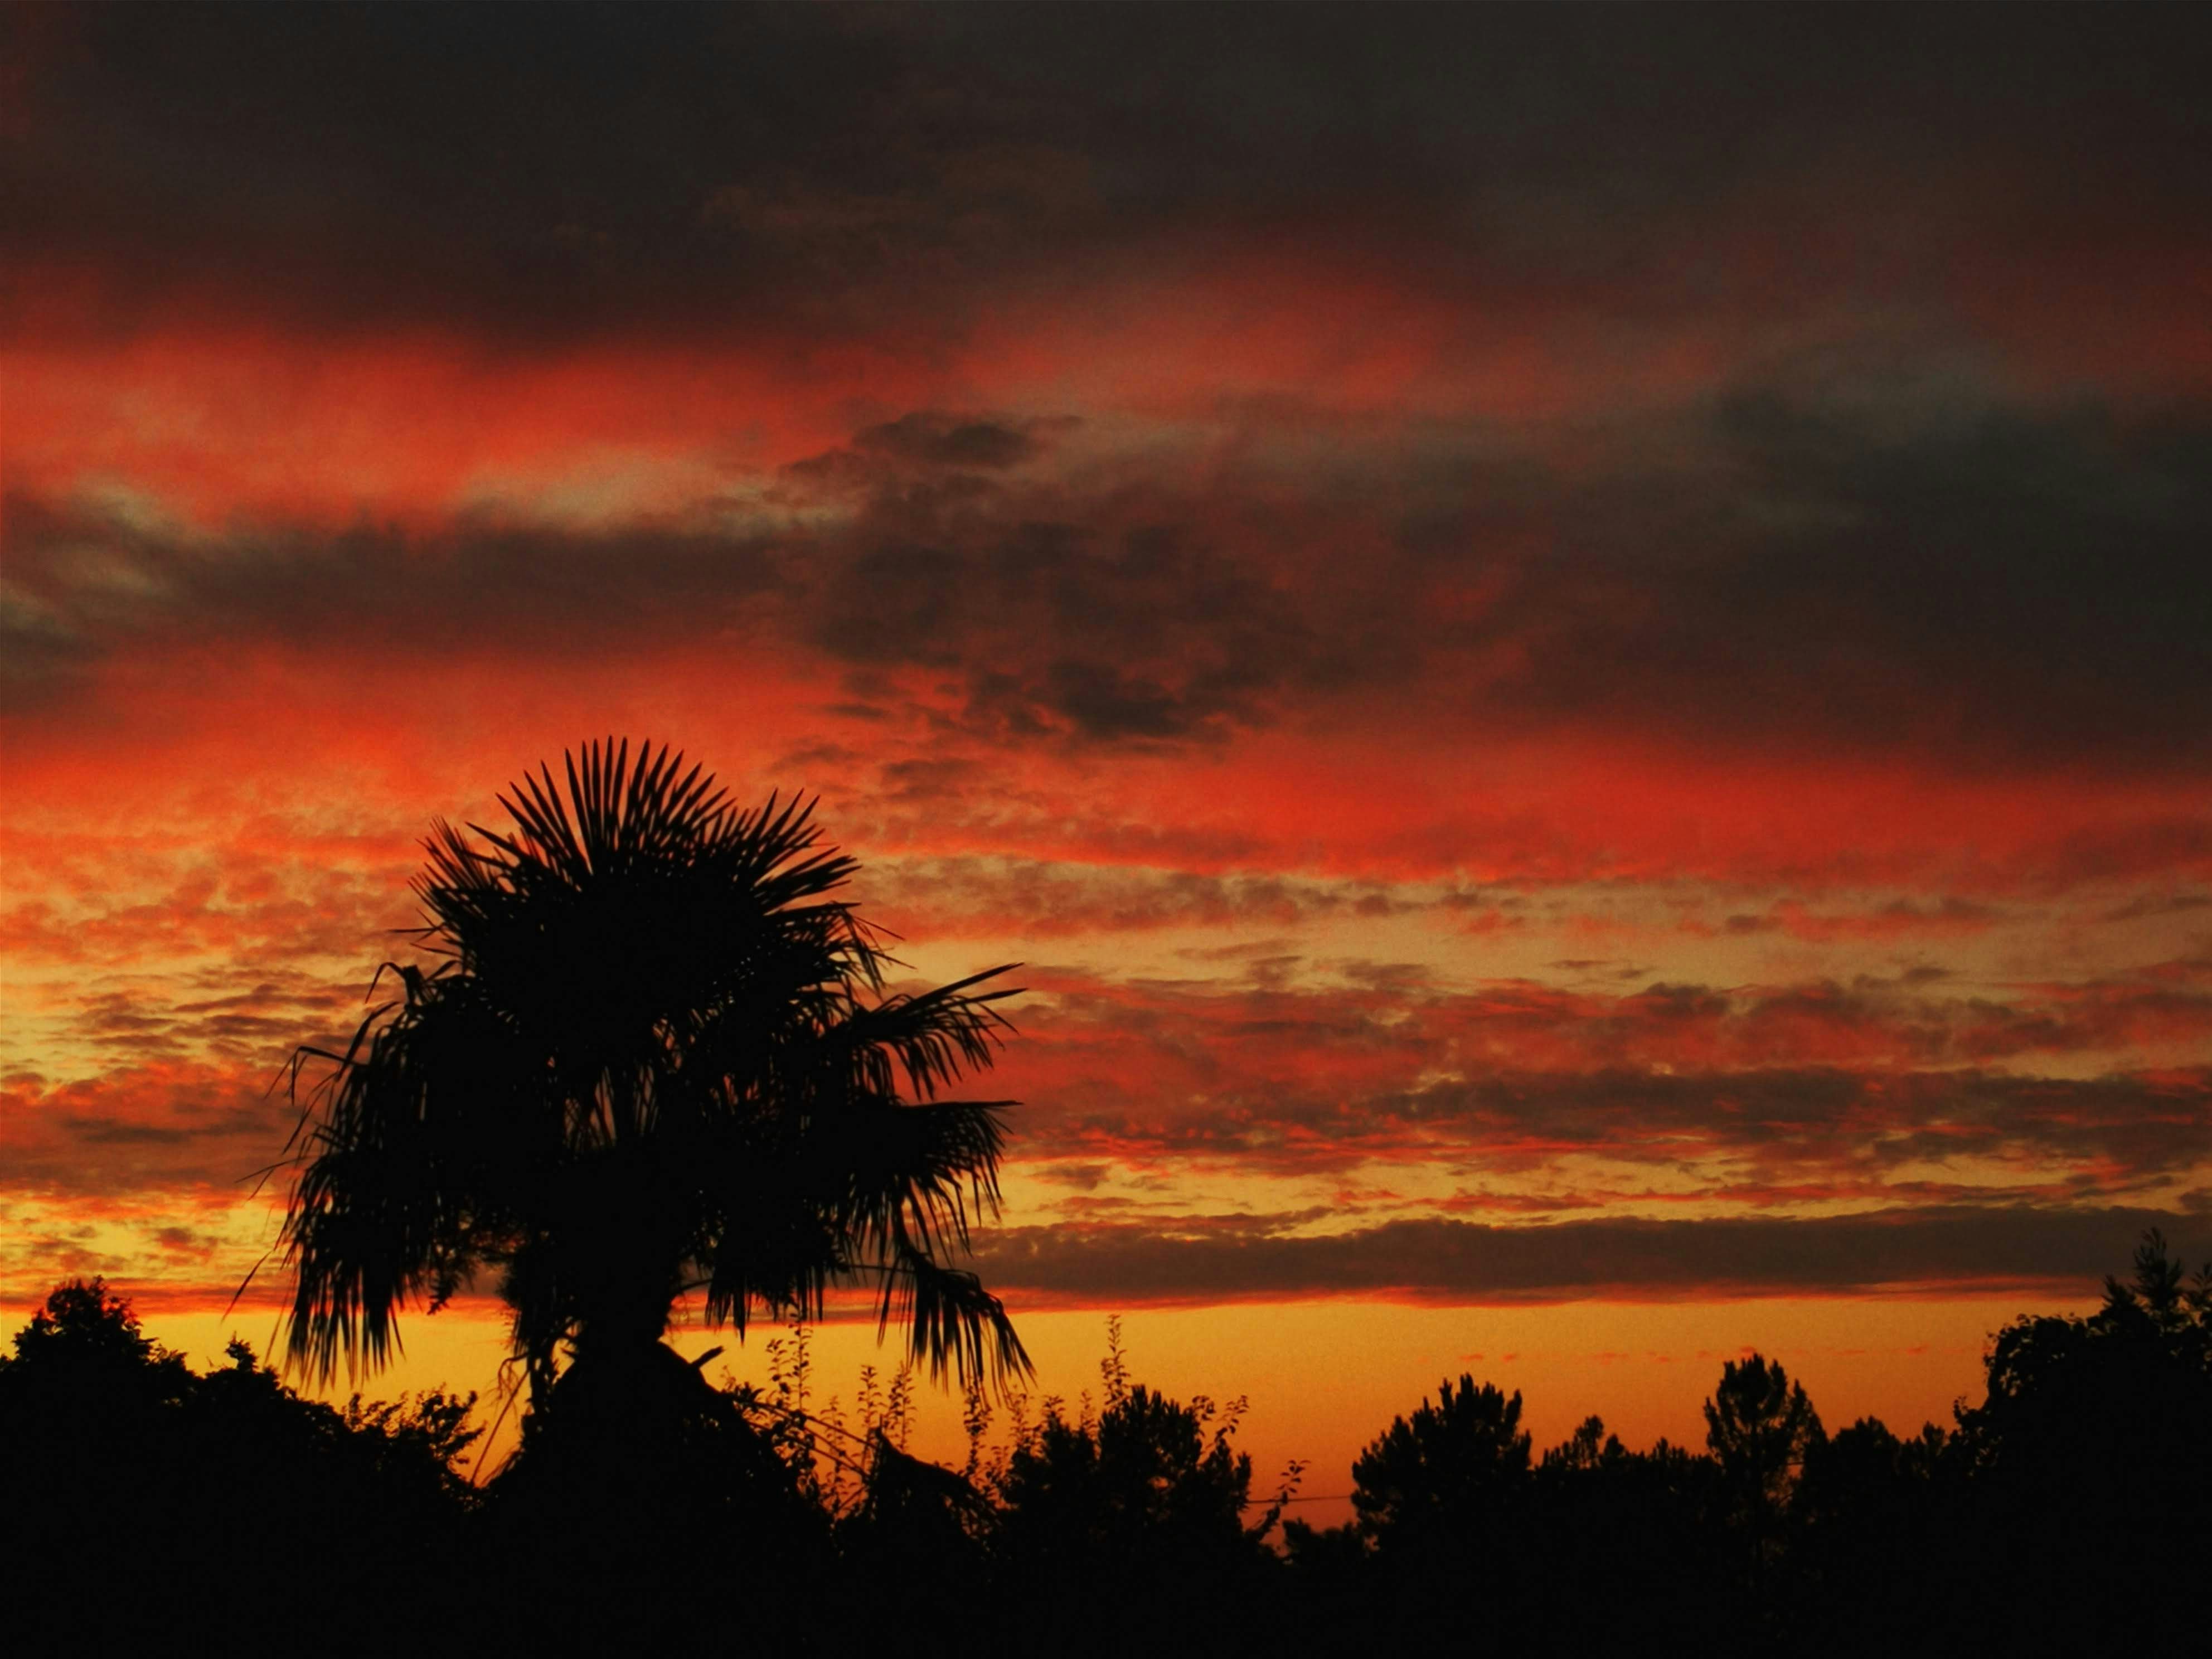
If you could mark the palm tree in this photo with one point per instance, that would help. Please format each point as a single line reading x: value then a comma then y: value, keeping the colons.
x: 653, y: 1056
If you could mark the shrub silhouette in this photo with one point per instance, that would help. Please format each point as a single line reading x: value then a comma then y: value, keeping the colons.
x: 1127, y: 1533
x: 203, y: 1490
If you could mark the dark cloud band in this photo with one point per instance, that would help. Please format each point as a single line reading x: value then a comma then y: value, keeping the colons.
x: 1467, y: 1262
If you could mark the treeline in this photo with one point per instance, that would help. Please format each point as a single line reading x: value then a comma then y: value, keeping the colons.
x: 2070, y: 1511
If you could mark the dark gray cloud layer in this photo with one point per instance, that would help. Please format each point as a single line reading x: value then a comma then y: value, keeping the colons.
x: 1458, y: 1260
x: 653, y: 168
x: 90, y: 580
x: 1994, y: 584
x: 1991, y: 586
x: 1859, y: 533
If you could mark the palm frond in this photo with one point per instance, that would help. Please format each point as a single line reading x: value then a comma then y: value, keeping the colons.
x: 922, y: 1172
x: 952, y: 1322
x: 932, y: 1037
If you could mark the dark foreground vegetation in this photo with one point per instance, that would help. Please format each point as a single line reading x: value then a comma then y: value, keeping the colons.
x: 2070, y: 1511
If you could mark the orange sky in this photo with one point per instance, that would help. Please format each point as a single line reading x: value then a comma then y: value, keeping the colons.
x: 1590, y: 712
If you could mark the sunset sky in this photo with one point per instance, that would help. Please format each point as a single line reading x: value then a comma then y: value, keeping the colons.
x: 1574, y: 644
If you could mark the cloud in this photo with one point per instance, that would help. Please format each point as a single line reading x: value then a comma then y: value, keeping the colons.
x: 2158, y: 904
x: 1380, y: 1029
x: 1938, y: 576
x: 112, y: 581
x: 275, y: 902
x: 929, y: 438
x: 1109, y: 1263
x: 1899, y: 918
x: 674, y: 171
x: 1782, y: 1096
x: 1764, y: 1136
x: 166, y: 1125
x: 1032, y: 898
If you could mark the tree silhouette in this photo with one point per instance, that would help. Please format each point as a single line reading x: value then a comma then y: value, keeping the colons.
x: 1448, y: 1472
x: 1759, y: 1427
x: 1444, y: 1497
x: 2092, y: 1457
x: 654, y: 1056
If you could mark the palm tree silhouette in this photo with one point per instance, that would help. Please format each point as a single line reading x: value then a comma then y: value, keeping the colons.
x: 654, y: 1057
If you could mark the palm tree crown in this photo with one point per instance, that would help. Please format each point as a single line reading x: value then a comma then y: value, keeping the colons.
x: 653, y: 1056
